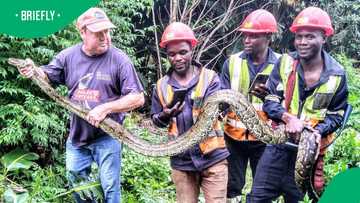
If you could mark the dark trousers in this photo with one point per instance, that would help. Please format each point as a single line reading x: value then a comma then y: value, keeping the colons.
x: 241, y: 152
x: 275, y: 176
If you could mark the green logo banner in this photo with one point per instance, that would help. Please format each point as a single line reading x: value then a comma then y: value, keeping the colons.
x: 344, y: 187
x: 39, y: 18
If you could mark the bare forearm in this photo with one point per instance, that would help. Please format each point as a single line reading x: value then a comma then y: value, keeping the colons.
x: 126, y: 103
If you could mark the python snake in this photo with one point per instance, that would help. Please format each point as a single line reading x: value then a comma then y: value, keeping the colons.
x: 307, y: 145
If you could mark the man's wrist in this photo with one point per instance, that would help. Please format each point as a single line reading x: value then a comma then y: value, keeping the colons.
x: 107, y: 108
x: 287, y: 117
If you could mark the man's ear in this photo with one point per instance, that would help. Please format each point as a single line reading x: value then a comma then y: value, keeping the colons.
x: 324, y: 37
x: 270, y: 37
x: 82, y: 32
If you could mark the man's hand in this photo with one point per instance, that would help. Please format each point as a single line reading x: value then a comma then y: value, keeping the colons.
x: 97, y: 114
x: 293, y: 124
x: 168, y: 113
x: 260, y: 91
x: 27, y: 70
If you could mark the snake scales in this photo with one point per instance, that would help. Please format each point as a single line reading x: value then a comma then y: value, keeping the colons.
x: 307, y: 146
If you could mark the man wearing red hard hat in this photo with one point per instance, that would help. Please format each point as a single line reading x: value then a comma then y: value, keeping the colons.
x: 239, y: 73
x: 203, y: 166
x: 307, y: 87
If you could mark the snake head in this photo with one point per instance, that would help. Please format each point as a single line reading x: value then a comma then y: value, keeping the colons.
x: 16, y: 62
x: 21, y: 63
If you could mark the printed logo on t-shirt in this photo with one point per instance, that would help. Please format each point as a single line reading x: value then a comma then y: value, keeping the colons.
x: 86, y: 95
x: 103, y: 76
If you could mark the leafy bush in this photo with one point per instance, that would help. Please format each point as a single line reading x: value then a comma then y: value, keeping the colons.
x: 27, y: 117
x: 345, y: 153
x: 145, y: 179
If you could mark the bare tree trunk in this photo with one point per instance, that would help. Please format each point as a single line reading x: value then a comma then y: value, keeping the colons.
x: 173, y: 10
x: 159, y: 70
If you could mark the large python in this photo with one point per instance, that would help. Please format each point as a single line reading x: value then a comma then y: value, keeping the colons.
x: 308, y: 145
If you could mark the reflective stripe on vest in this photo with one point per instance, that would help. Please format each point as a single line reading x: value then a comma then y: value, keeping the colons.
x: 240, y: 77
x: 165, y: 92
x: 205, y: 78
x: 315, y: 106
x: 240, y: 81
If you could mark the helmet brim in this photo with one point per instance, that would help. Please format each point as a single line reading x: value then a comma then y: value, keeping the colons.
x: 256, y: 31
x: 328, y: 31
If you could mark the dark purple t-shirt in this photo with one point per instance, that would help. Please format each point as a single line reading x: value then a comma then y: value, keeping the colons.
x: 92, y: 81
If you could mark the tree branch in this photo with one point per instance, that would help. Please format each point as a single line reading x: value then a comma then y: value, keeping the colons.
x: 156, y: 44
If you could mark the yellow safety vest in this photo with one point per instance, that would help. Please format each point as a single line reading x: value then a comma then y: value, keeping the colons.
x: 314, y: 109
x: 240, y: 81
x: 165, y: 92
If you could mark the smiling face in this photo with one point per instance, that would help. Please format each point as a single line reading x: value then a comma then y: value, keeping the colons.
x: 309, y: 42
x: 95, y: 43
x: 179, y: 54
x: 255, y: 43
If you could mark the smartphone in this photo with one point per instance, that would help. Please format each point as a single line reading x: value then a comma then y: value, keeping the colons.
x: 259, y: 79
x: 179, y: 96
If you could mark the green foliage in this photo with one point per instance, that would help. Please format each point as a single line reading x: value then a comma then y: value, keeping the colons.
x: 345, y: 152
x: 28, y: 118
x: 145, y: 179
x: 10, y: 196
x: 12, y: 163
x: 46, y: 184
x: 345, y: 16
x: 18, y: 159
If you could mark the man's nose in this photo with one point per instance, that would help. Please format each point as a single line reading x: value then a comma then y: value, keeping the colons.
x: 303, y: 41
x: 177, y: 57
x: 102, y: 35
x: 247, y: 39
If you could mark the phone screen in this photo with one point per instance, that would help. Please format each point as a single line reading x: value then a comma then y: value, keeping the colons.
x: 179, y: 96
x: 259, y: 79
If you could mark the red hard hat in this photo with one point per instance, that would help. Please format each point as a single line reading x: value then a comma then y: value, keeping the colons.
x: 259, y: 21
x: 313, y: 17
x: 178, y: 31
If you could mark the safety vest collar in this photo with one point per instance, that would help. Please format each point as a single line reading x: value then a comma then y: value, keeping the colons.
x: 271, y: 58
x: 239, y: 71
x: 172, y: 82
x: 331, y: 68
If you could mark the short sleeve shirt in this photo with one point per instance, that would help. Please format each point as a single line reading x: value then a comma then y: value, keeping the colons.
x: 92, y: 81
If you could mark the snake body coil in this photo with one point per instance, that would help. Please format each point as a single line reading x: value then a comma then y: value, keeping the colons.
x: 198, y: 131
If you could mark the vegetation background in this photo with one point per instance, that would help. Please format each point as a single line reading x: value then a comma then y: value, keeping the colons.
x: 33, y: 128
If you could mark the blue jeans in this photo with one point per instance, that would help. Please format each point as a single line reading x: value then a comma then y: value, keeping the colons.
x: 106, y: 152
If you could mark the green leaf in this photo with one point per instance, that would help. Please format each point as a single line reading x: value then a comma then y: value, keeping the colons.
x: 18, y: 159
x: 11, y: 197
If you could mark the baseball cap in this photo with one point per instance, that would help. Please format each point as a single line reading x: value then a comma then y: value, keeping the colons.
x: 95, y: 20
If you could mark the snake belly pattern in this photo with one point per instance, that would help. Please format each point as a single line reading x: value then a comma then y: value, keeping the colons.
x: 198, y: 131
